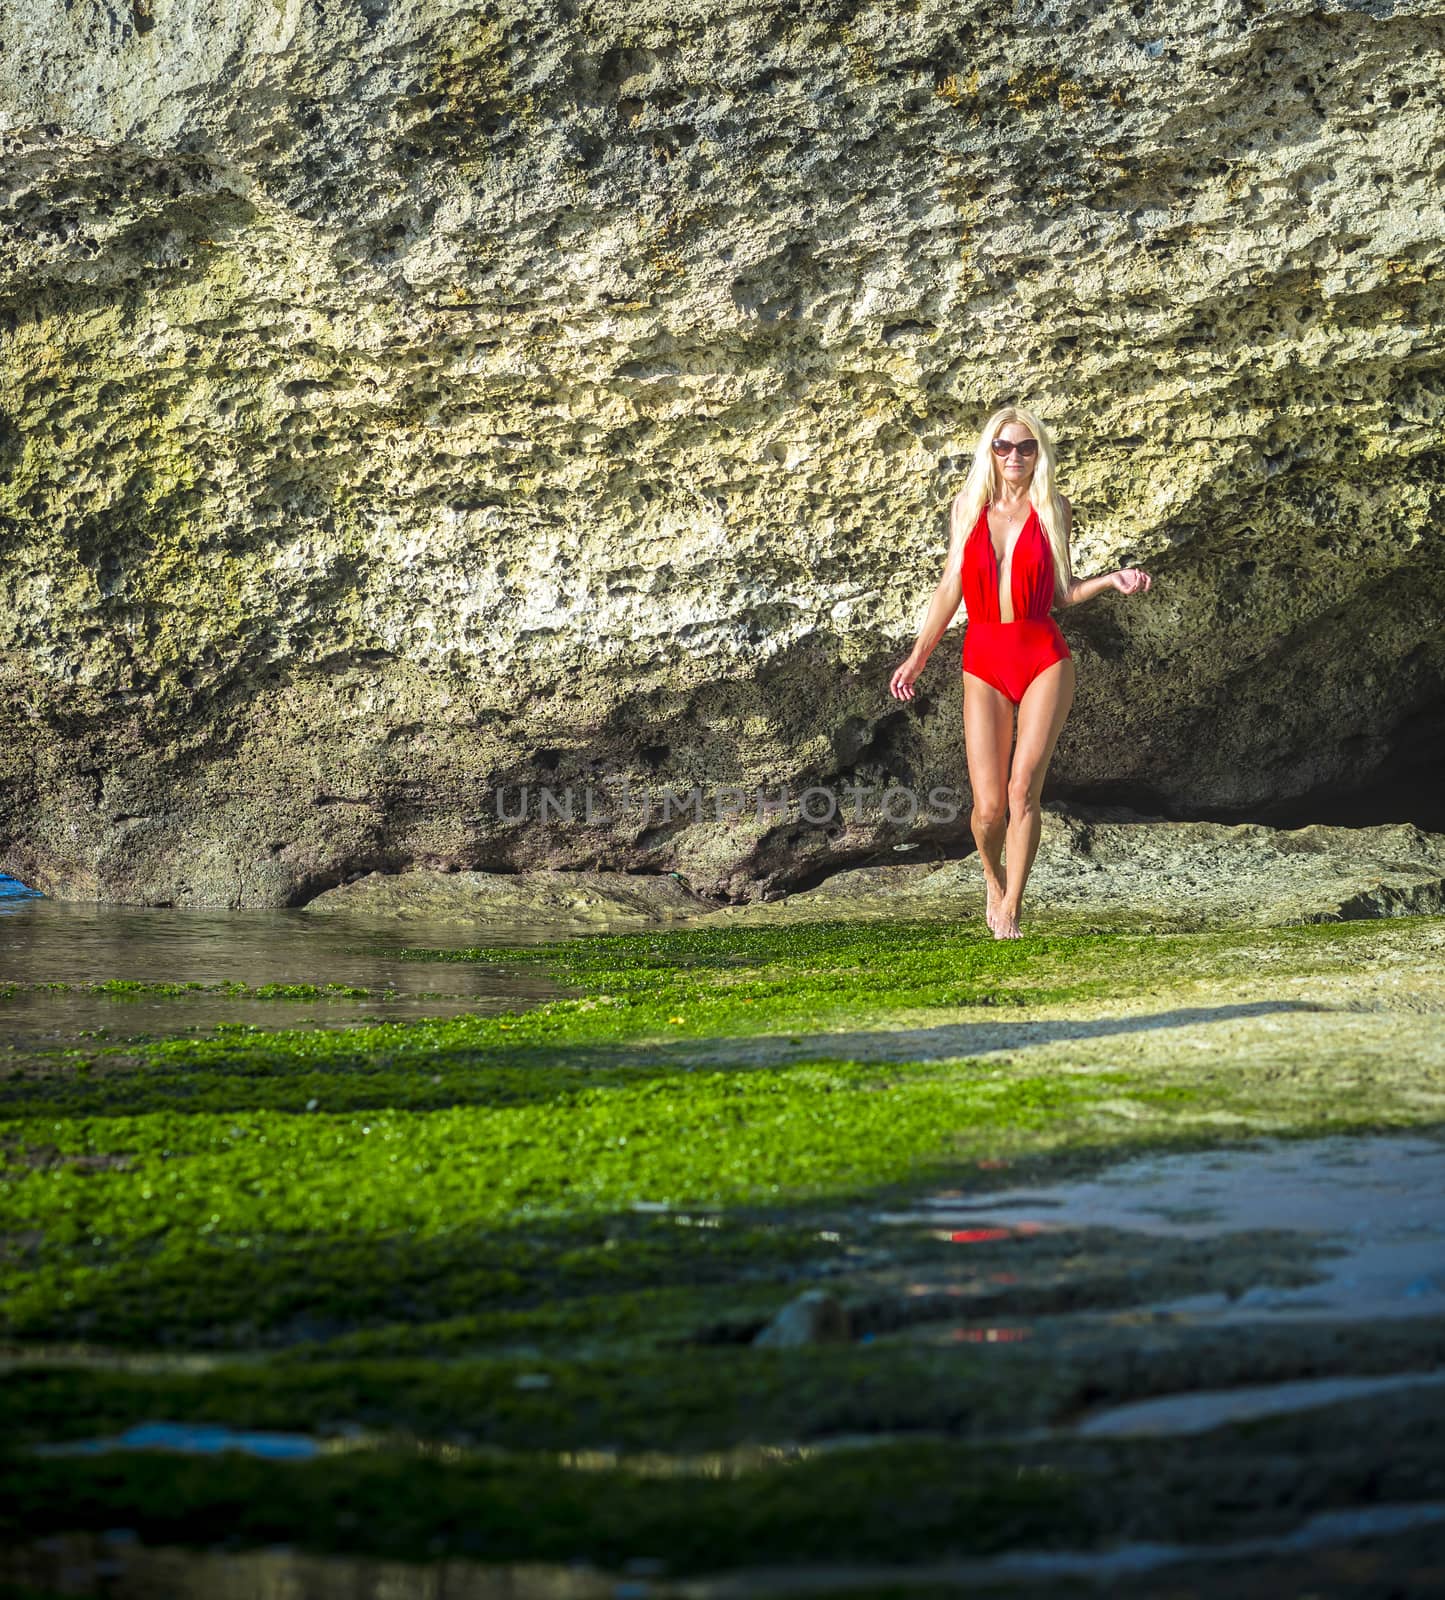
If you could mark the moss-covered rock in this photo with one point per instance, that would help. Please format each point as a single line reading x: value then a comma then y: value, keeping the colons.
x: 503, y: 1275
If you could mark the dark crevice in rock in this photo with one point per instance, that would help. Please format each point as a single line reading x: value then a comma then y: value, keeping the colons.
x: 317, y: 882
x: 927, y: 850
x: 1404, y: 787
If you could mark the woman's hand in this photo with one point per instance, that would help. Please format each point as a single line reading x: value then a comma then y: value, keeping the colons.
x: 900, y: 685
x: 1130, y: 580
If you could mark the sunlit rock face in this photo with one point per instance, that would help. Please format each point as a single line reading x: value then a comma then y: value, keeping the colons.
x: 401, y: 403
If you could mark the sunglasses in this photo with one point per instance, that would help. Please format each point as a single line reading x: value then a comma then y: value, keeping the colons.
x: 1025, y: 447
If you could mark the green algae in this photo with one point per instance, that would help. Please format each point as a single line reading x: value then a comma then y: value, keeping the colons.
x: 930, y: 960
x: 899, y: 1497
x: 606, y: 1196
x: 212, y: 1198
x: 936, y: 1495
x: 209, y: 1290
x: 681, y: 1400
x: 696, y: 1398
x: 206, y: 1178
x: 637, y: 993
x: 646, y: 999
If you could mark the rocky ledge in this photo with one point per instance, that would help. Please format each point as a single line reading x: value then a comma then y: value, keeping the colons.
x: 550, y: 900
x: 1104, y: 869
x: 1176, y: 876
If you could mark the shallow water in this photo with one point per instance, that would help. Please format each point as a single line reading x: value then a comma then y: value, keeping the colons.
x: 1174, y: 1415
x: 44, y: 940
x: 1378, y: 1204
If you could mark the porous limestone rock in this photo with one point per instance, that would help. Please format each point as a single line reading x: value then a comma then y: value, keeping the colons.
x: 1096, y: 867
x: 610, y: 900
x: 404, y: 403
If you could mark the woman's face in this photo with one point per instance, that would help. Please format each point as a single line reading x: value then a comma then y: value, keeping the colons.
x: 1015, y: 468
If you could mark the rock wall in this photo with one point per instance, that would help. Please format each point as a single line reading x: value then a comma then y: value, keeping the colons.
x: 403, y: 401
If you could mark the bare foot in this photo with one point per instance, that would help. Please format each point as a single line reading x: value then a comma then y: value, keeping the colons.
x: 1005, y: 924
x: 993, y: 898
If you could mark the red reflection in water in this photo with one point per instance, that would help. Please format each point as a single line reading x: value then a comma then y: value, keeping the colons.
x: 1020, y: 1230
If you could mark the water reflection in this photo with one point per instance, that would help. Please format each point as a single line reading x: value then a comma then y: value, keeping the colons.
x: 44, y: 941
x: 1376, y: 1205
x: 193, y: 1438
x: 1202, y: 1410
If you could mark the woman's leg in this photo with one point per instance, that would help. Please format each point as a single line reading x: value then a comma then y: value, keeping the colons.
x: 1042, y: 713
x: 987, y: 736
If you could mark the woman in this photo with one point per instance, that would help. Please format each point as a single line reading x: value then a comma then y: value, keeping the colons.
x: 1008, y: 562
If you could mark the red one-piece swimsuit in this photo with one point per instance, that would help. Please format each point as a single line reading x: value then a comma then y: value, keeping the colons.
x: 1010, y: 655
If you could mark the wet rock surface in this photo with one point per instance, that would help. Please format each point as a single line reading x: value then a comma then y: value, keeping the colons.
x: 815, y: 1317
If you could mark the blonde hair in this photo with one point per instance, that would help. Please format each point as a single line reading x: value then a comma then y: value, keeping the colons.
x: 985, y: 482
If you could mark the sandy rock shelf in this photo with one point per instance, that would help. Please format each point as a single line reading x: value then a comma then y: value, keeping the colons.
x: 1101, y: 869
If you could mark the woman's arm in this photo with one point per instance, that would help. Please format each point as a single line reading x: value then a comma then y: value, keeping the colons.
x: 1127, y: 580
x: 1086, y: 588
